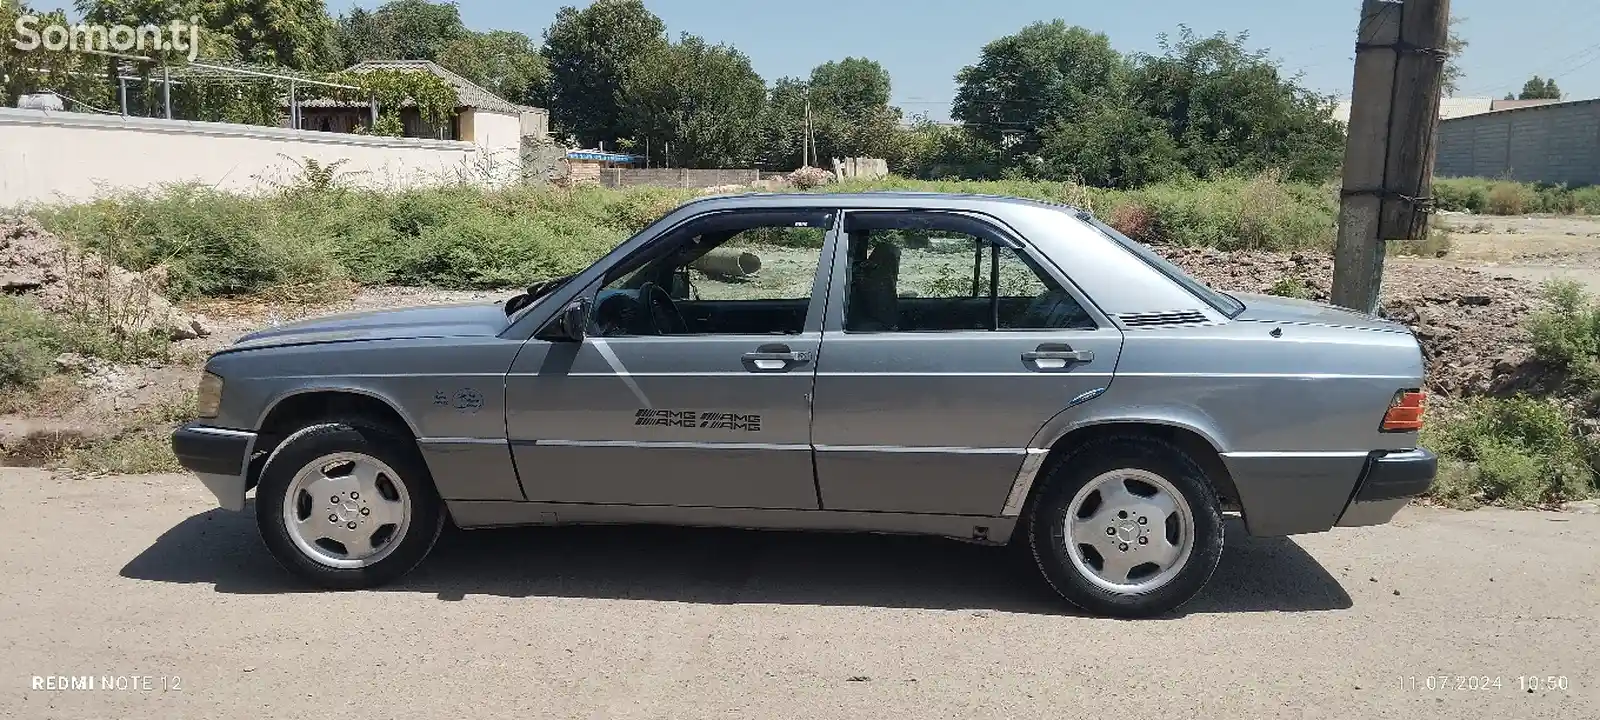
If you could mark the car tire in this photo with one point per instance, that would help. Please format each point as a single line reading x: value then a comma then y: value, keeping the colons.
x: 1092, y: 520
x: 399, y: 518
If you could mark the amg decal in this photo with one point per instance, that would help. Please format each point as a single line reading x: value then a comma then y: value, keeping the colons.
x: 702, y: 419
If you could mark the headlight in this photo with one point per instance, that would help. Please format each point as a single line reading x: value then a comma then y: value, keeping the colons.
x: 208, y: 398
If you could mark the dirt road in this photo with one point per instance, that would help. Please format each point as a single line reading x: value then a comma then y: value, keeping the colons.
x: 1534, y: 249
x: 140, y: 576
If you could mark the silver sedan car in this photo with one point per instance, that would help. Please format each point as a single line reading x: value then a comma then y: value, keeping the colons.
x: 990, y: 369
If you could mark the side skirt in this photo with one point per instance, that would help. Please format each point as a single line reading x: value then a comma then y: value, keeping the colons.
x: 472, y: 514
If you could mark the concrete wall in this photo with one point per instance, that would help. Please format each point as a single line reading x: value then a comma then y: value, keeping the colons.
x: 1557, y: 143
x: 677, y: 177
x: 497, y: 131
x: 51, y: 156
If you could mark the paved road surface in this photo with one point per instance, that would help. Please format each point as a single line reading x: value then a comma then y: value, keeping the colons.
x: 140, y: 576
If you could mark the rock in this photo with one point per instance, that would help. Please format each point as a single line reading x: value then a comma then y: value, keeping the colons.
x: 1474, y: 300
x: 1586, y: 507
x: 72, y: 363
x: 66, y: 280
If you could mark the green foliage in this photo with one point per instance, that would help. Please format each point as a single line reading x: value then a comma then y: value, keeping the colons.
x: 505, y: 63
x: 1045, y: 74
x: 1229, y: 110
x: 1567, y: 334
x: 399, y: 30
x: 1538, y: 88
x: 1454, y: 46
x: 698, y: 105
x: 1519, y: 451
x: 1290, y: 287
x: 1503, y: 197
x: 75, y: 76
x: 389, y: 124
x: 297, y: 34
x: 30, y: 339
x: 434, y: 99
x: 318, y: 232
x: 590, y: 51
x: 1058, y: 102
x: 850, y: 115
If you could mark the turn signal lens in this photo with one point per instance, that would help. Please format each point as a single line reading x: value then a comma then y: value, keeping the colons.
x: 1405, y: 411
x: 208, y: 397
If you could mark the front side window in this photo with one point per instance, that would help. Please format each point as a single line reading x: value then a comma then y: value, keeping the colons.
x: 745, y: 276
x: 916, y: 276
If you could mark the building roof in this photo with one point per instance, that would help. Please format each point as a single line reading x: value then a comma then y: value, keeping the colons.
x: 468, y: 93
x: 1514, y: 104
x: 1524, y: 106
x: 1449, y: 107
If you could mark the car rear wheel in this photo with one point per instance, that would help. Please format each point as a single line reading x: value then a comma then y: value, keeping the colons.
x: 346, y: 504
x: 1126, y: 527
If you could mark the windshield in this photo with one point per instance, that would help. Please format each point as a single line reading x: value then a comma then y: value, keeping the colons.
x: 1223, y: 303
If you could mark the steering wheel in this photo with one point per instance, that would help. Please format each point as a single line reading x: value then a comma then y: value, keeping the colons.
x: 662, y: 311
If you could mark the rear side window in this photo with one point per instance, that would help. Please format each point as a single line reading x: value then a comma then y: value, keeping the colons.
x: 1220, y: 302
x: 926, y: 272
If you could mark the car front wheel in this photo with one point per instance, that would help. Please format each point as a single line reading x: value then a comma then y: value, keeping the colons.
x: 347, y: 505
x: 1127, y: 527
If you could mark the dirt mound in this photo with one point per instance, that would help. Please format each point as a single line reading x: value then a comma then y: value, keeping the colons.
x: 68, y: 281
x: 1470, y: 323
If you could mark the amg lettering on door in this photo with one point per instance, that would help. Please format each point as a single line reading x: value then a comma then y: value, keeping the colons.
x: 699, y: 419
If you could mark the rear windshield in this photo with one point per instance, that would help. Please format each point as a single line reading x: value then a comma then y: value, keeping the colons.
x: 1224, y: 304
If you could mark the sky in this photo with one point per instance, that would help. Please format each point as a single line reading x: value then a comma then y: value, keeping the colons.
x: 924, y: 43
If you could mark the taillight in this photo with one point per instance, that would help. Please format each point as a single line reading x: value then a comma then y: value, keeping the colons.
x: 1405, y: 411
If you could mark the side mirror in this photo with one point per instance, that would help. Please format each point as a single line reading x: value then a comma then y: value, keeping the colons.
x: 574, y: 320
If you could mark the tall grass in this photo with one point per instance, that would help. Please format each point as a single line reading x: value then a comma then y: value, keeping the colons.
x: 216, y: 243
x: 1485, y: 196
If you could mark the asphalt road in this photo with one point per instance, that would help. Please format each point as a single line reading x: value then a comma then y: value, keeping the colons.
x: 140, y: 577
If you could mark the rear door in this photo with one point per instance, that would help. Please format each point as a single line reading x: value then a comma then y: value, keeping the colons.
x: 947, y: 344
x: 694, y: 385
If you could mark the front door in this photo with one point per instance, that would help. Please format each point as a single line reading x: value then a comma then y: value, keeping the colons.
x: 693, y: 387
x: 947, y: 346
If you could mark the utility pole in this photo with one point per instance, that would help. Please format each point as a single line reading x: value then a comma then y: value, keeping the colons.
x: 1388, y: 157
x: 805, y: 134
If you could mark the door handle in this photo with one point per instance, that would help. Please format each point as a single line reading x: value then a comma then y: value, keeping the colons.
x: 774, y: 358
x: 1057, y: 357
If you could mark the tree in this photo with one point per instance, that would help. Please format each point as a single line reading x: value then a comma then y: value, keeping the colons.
x: 1538, y: 88
x: 399, y: 30
x: 291, y: 33
x: 1024, y: 83
x: 589, y: 52
x: 702, y: 101
x: 503, y: 62
x: 850, y: 114
x: 1228, y: 109
x: 1454, y: 46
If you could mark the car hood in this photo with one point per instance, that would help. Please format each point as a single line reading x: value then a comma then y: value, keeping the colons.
x: 478, y: 319
x: 1274, y: 309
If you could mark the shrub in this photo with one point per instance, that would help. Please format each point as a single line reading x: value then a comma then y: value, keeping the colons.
x: 315, y: 237
x: 1567, y: 335
x: 1520, y: 451
x: 1290, y: 287
x: 1508, y: 198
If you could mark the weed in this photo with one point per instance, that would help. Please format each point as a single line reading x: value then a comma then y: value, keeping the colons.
x: 1567, y: 334
x: 1291, y: 287
x: 1520, y: 451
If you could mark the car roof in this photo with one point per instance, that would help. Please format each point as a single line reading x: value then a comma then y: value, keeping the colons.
x: 874, y: 199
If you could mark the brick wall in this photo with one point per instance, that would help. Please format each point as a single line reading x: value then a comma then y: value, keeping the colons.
x: 1551, y: 143
x: 677, y: 177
